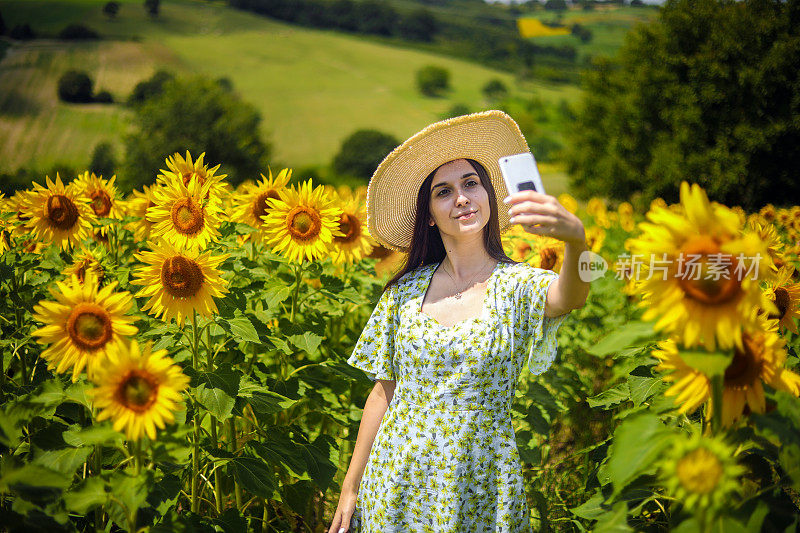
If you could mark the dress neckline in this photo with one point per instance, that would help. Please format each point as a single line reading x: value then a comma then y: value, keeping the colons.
x: 485, y: 308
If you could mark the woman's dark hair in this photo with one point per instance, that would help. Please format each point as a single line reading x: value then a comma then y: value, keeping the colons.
x: 426, y: 242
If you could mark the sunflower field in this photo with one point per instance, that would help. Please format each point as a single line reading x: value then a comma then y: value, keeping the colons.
x: 175, y: 360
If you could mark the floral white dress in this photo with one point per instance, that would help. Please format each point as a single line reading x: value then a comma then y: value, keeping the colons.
x: 445, y: 457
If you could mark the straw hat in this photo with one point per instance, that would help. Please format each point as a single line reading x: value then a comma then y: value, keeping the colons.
x: 392, y: 192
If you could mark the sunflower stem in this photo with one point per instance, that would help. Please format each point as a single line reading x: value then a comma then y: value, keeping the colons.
x: 716, y: 391
x: 196, y: 451
x: 217, y: 478
x: 298, y: 269
x: 237, y: 490
x: 98, y: 466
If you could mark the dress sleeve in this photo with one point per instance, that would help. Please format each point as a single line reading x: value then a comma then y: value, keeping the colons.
x: 536, y: 328
x: 374, y: 350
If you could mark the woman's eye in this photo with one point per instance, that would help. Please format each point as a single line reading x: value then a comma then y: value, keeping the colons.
x: 441, y: 191
x: 472, y: 183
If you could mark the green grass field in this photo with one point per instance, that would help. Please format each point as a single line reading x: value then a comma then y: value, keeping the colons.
x: 608, y: 25
x: 313, y: 88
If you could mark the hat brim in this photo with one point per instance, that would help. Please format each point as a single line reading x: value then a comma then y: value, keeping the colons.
x: 392, y: 192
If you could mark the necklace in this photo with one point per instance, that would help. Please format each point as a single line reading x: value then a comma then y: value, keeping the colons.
x: 457, y: 295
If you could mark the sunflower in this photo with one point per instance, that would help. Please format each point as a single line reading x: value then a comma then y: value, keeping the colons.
x: 696, y: 278
x: 625, y: 213
x: 181, y: 215
x: 5, y: 226
x: 102, y: 194
x: 138, y: 205
x: 178, y: 282
x: 356, y: 242
x: 595, y: 235
x: 302, y: 223
x: 537, y: 250
x: 183, y: 170
x: 768, y: 213
x: 569, y: 203
x: 82, y: 324
x: 761, y: 361
x: 85, y: 262
x: 58, y: 214
x: 251, y: 204
x: 701, y: 471
x: 786, y: 296
x: 596, y: 207
x: 769, y: 235
x: 138, y: 389
x: 17, y: 205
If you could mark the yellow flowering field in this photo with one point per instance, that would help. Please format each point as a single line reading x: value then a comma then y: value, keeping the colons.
x: 175, y: 359
x: 533, y: 27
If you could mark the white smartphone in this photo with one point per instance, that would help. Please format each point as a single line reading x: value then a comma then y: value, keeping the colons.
x: 521, y: 173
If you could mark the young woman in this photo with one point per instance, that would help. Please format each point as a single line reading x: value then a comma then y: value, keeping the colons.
x: 447, y: 341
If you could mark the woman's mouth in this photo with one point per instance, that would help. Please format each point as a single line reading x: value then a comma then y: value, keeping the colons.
x: 467, y: 216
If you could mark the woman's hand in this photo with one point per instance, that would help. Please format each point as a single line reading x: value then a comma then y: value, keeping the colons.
x: 542, y: 214
x: 344, y: 511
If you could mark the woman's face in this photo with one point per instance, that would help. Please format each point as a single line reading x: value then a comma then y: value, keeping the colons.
x: 456, y: 190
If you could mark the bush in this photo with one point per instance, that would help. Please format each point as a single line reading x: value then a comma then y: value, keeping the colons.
x: 104, y: 97
x: 22, y: 32
x: 198, y: 115
x: 362, y: 152
x: 495, y: 89
x: 456, y: 110
x: 151, y: 6
x: 433, y: 80
x: 110, y: 9
x: 103, y: 160
x: 419, y: 25
x: 75, y: 32
x: 75, y: 86
x: 555, y: 5
x: 581, y: 32
x: 149, y: 88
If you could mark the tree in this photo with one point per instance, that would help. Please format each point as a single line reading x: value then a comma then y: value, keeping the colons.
x: 376, y: 17
x: 581, y: 32
x: 555, y: 5
x: 110, y: 9
x: 708, y: 93
x: 77, y: 32
x: 151, y: 6
x: 75, y: 86
x: 456, y: 110
x: 495, y: 89
x: 362, y: 152
x: 150, y: 87
x: 198, y: 115
x: 2, y: 25
x: 432, y: 80
x: 103, y: 160
x: 22, y: 32
x: 419, y: 25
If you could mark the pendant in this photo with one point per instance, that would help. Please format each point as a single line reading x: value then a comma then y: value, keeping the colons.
x: 458, y: 296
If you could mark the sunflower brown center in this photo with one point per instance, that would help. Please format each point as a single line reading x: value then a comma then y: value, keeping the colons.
x: 137, y: 391
x: 101, y: 202
x: 261, y: 206
x: 61, y: 212
x: 350, y: 226
x: 181, y: 277
x: 303, y: 223
x: 709, y: 282
x: 699, y: 471
x: 548, y: 258
x: 782, y: 302
x: 745, y: 368
x: 89, y: 326
x: 187, y: 216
